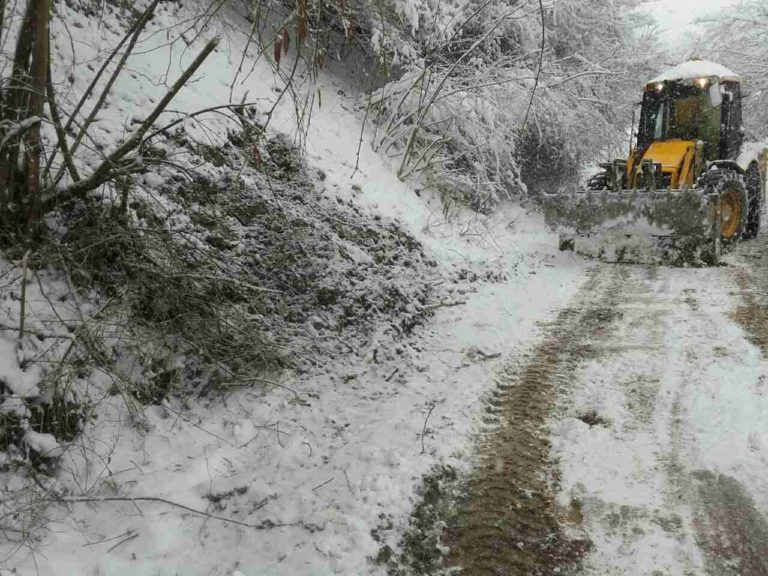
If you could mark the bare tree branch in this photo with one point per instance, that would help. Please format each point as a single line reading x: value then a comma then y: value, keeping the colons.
x: 112, y: 164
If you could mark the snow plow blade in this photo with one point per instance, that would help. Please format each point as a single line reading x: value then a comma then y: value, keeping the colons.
x: 673, y: 227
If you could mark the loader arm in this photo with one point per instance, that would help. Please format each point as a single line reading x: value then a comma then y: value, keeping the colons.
x: 675, y: 162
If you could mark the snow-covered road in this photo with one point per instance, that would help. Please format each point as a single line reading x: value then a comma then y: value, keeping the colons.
x: 661, y: 435
x: 636, y: 431
x: 620, y: 413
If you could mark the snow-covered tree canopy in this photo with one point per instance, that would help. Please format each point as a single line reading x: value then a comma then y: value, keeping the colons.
x: 470, y: 97
x: 738, y: 38
x: 510, y: 115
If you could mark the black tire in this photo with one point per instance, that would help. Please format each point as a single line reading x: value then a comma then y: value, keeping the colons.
x: 752, y: 182
x: 731, y: 187
x: 598, y: 181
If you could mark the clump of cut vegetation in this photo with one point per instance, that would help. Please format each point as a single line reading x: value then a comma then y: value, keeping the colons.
x: 592, y: 418
x: 421, y: 550
x: 325, y: 268
x: 169, y: 289
x: 238, y: 268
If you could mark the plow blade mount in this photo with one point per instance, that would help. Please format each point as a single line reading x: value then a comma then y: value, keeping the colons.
x: 674, y: 227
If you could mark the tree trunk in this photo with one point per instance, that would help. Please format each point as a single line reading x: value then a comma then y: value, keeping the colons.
x: 39, y: 83
x: 16, y: 108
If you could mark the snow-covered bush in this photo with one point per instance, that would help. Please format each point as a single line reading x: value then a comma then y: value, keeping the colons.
x: 485, y: 113
x: 468, y: 97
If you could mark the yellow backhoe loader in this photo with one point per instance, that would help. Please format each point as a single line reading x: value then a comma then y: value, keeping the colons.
x: 684, y: 191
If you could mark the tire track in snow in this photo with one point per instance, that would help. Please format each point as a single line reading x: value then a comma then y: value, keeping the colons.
x: 731, y: 531
x: 751, y: 276
x: 641, y: 364
x: 510, y: 522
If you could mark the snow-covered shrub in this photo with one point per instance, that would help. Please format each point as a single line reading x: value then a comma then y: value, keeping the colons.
x: 461, y: 137
x: 466, y: 82
x: 484, y: 112
x: 547, y: 160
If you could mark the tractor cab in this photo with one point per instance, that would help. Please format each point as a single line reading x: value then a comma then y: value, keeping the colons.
x: 680, y: 195
x: 690, y: 116
x: 698, y: 101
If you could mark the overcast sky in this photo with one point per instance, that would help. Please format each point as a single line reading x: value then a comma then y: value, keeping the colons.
x: 676, y: 16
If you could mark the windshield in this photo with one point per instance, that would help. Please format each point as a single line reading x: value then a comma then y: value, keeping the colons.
x: 684, y: 112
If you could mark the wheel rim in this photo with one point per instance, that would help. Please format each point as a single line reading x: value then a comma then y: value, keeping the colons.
x: 730, y: 214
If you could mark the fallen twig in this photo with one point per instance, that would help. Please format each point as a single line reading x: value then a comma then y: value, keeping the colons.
x: 37, y: 333
x: 123, y: 541
x: 122, y: 535
x: 265, y: 525
x: 331, y: 479
x: 424, y: 430
x: 188, y: 421
x: 348, y: 483
x: 445, y: 304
